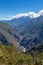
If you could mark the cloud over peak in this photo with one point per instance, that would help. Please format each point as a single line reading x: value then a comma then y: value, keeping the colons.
x: 33, y: 14
x: 29, y: 14
x: 41, y: 13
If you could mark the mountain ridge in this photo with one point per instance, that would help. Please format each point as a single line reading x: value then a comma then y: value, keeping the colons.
x: 30, y: 31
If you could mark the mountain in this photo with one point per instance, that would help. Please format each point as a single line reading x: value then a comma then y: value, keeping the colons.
x: 30, y: 31
x: 8, y: 35
x: 17, y: 21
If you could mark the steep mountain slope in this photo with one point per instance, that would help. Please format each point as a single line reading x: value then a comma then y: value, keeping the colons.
x: 8, y: 35
x: 33, y: 33
x: 31, y: 30
x: 17, y: 22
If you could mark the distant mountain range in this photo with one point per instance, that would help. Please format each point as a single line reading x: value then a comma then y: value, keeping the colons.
x: 28, y: 32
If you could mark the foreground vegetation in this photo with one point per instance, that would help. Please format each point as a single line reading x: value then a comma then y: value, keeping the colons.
x: 11, y: 56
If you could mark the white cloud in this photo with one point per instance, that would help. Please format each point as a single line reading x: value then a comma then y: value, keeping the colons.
x: 29, y: 14
x: 33, y: 15
x: 41, y: 13
x: 20, y: 15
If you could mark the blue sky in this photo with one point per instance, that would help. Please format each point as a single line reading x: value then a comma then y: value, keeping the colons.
x: 12, y: 7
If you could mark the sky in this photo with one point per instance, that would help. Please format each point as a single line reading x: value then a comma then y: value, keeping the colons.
x: 9, y: 8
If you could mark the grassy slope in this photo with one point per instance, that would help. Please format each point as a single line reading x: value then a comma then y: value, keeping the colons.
x: 10, y: 56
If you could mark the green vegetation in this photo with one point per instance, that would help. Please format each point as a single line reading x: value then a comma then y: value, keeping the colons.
x: 11, y: 56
